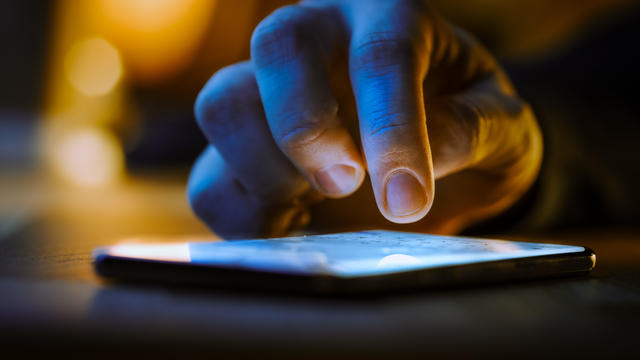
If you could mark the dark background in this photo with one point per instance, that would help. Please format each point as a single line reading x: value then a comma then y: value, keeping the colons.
x: 576, y: 62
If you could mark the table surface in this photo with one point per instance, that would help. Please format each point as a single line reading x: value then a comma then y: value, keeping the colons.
x: 51, y: 299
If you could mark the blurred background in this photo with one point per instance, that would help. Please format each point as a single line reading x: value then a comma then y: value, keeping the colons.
x: 97, y: 132
x: 97, y: 137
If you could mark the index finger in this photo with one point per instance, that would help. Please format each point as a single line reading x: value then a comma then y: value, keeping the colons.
x: 387, y: 66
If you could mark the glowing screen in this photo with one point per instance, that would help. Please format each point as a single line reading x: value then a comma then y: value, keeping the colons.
x: 343, y: 254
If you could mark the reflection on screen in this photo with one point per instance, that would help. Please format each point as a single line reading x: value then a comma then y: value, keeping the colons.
x: 344, y: 254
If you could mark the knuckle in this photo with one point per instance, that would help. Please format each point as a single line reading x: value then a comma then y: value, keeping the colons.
x: 202, y: 200
x: 467, y: 111
x: 203, y: 183
x: 298, y: 131
x: 382, y: 121
x: 490, y: 120
x: 473, y: 120
x: 379, y: 51
x: 200, y: 204
x: 221, y: 100
x: 280, y: 36
x: 455, y: 129
x: 209, y: 189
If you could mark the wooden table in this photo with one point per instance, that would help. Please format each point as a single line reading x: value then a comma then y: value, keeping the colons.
x: 51, y: 301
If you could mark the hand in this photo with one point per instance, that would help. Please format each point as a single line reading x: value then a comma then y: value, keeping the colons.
x: 338, y: 89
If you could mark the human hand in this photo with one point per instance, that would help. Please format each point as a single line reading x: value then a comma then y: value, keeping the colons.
x: 337, y: 89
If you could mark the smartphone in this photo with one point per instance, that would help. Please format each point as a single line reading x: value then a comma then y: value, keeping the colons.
x: 351, y: 262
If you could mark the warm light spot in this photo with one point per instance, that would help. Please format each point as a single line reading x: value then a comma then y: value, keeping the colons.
x: 147, y: 15
x: 88, y: 157
x: 93, y: 67
x: 156, y: 38
x: 398, y: 260
x: 166, y: 252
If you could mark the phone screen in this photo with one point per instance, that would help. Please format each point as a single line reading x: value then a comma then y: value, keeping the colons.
x: 352, y: 254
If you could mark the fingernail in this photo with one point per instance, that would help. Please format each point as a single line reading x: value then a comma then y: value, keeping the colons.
x: 405, y: 194
x: 337, y: 179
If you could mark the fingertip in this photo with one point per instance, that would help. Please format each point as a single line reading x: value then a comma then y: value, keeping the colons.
x: 339, y: 180
x: 406, y: 198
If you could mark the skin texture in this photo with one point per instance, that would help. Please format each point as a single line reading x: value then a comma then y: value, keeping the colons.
x: 338, y: 90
